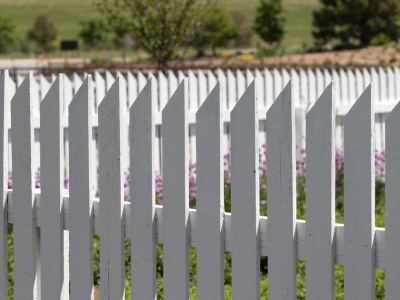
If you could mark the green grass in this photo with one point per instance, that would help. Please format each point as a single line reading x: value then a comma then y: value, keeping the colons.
x: 68, y: 13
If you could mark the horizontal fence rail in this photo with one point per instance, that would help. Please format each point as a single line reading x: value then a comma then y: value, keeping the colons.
x: 52, y: 224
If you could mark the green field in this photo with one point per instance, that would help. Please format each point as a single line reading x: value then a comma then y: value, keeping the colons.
x: 68, y: 13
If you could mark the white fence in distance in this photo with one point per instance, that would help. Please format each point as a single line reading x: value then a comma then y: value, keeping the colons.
x: 68, y: 220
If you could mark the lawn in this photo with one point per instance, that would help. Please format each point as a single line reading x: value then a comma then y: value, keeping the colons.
x: 68, y: 13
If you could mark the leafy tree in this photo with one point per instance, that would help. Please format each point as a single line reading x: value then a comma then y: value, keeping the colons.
x: 246, y: 31
x: 356, y: 22
x: 43, y: 33
x: 217, y: 30
x: 270, y: 21
x: 7, y: 34
x: 95, y: 32
x: 160, y: 27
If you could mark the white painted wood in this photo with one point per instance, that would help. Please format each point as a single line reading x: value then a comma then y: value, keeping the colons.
x: 245, y: 197
x: 193, y: 93
x: 172, y: 83
x: 327, y: 77
x: 397, y: 82
x: 231, y: 100
x: 320, y: 82
x: 367, y: 78
x: 132, y: 88
x: 352, y: 92
x: 281, y: 187
x: 277, y: 83
x: 344, y: 84
x: 296, y: 86
x: 77, y: 82
x: 320, y: 191
x: 142, y: 194
x: 124, y: 92
x: 338, y: 85
x: 181, y: 76
x: 312, y: 92
x: 304, y: 98
x: 176, y: 195
x: 391, y: 85
x: 249, y: 77
x: 110, y: 79
x: 44, y: 86
x: 383, y: 85
x: 221, y: 77
x: 111, y: 188
x: 211, y: 80
x: 81, y: 192
x: 202, y: 86
x: 6, y: 91
x: 359, y: 84
x: 68, y: 92
x: 285, y: 77
x: 269, y: 88
x: 210, y: 197
x: 142, y: 81
x: 392, y: 208
x: 51, y: 198
x: 261, y: 88
x: 241, y: 84
x: 100, y: 89
x: 25, y: 233
x: 163, y: 90
x: 375, y: 81
x: 20, y: 79
x: 359, y: 204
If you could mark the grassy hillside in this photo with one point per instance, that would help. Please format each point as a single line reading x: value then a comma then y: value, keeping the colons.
x: 68, y: 13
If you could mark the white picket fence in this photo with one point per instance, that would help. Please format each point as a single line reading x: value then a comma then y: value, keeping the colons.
x: 53, y: 228
x: 309, y: 84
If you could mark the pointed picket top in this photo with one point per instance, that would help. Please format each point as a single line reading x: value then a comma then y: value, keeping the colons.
x: 193, y: 94
x: 320, y: 251
x: 44, y: 86
x: 359, y: 84
x: 296, y: 86
x: 77, y: 82
x: 375, y: 81
x: 303, y: 87
x: 231, y: 89
x: 20, y: 79
x: 269, y: 88
x: 211, y: 80
x: 241, y: 84
x: 142, y: 194
x: 277, y: 83
x: 320, y: 82
x: 344, y: 84
x: 367, y: 78
x: 383, y: 85
x: 172, y: 83
x: 68, y: 92
x: 221, y: 76
x: 327, y: 77
x: 142, y: 81
x: 110, y: 79
x: 5, y: 98
x: 203, y: 91
x: 210, y: 196
x: 285, y: 77
x: 245, y: 196
x: 163, y: 89
x: 352, y: 86
x: 391, y: 85
x: 132, y: 88
x: 359, y: 179
x: 24, y: 228
x: 111, y: 190
x: 81, y: 191
x: 181, y: 76
x: 175, y: 154
x: 312, y: 87
x: 124, y: 94
x: 281, y: 188
x: 249, y: 77
x: 392, y: 208
x: 100, y: 88
x: 338, y: 85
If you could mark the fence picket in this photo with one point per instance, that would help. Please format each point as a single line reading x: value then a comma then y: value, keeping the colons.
x: 392, y: 208
x: 142, y: 194
x: 132, y: 88
x: 100, y: 89
x: 391, y: 84
x: 77, y: 82
x: 281, y: 187
x: 202, y: 87
x: 344, y: 84
x: 245, y: 197
x: 359, y: 84
x: 241, y: 84
x: 320, y: 191
x: 210, y: 198
x: 352, y: 86
x: 142, y: 81
x: 221, y: 77
x: 320, y: 82
x: 359, y: 204
x: 52, y: 190
x: 112, y: 268
x: 5, y: 98
x: 173, y: 83
x: 175, y: 195
x: 249, y: 77
x: 304, y: 99
x: 397, y: 82
x: 277, y: 83
x: 81, y: 192
x: 110, y: 79
x: 312, y: 90
x: 26, y: 235
x: 231, y: 100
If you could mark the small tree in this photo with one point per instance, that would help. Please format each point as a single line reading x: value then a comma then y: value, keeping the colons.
x: 356, y: 22
x: 43, y: 33
x: 270, y: 21
x: 7, y: 34
x: 217, y: 30
x: 95, y: 32
x: 160, y: 27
